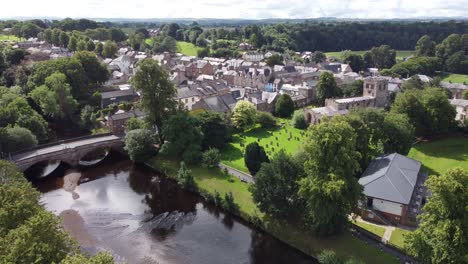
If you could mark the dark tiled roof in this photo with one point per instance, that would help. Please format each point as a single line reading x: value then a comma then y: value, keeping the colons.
x: 391, y: 177
x: 119, y: 93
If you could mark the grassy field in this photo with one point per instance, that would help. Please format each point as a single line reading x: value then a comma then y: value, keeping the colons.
x: 271, y: 139
x: 8, y: 37
x: 211, y: 180
x: 371, y: 228
x: 400, y: 54
x: 454, y: 78
x: 440, y: 155
x: 187, y: 48
x: 397, y: 237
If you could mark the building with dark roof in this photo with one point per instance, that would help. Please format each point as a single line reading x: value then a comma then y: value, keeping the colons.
x: 394, y: 187
x: 118, y: 96
x: 116, y: 123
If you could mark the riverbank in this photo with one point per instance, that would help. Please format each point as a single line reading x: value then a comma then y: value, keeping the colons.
x: 211, y: 180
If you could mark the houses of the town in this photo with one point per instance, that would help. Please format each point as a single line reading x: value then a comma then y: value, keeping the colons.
x: 117, y: 122
x: 461, y: 106
x: 394, y: 187
x: 118, y: 96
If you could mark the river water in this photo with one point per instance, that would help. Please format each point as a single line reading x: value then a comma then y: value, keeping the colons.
x: 142, y: 217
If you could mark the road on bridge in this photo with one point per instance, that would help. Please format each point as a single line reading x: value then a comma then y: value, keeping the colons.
x: 59, y: 147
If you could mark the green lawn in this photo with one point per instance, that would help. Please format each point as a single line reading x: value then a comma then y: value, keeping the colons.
x: 8, y: 37
x: 440, y: 155
x: 400, y: 54
x: 271, y: 139
x: 187, y: 48
x: 455, y: 78
x: 294, y: 234
x: 397, y: 237
x: 378, y: 230
x: 149, y: 42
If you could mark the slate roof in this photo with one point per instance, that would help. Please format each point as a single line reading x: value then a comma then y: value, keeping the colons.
x: 391, y: 177
x: 118, y: 93
x: 132, y: 113
x: 186, y: 92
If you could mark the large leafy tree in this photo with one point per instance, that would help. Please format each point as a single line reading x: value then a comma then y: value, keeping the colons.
x: 15, y: 111
x: 284, y: 107
x: 425, y: 47
x: 184, y: 137
x: 276, y: 186
x: 158, y: 93
x: 428, y: 110
x: 449, y: 46
x: 327, y: 87
x: 109, y: 49
x: 16, y: 138
x: 442, y: 235
x: 254, y: 156
x: 329, y: 188
x: 381, y: 57
x: 214, y: 128
x: 243, y: 115
x: 355, y: 61
x: 54, y: 97
x: 71, y: 67
x: 95, y: 71
x: 139, y: 144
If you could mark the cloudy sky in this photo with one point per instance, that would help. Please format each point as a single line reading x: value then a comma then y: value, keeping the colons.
x: 233, y: 8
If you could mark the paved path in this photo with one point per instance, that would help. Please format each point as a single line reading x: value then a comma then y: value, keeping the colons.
x: 388, y: 229
x: 239, y: 174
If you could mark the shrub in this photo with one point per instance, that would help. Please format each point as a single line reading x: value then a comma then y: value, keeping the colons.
x: 265, y: 119
x: 284, y: 107
x: 211, y: 158
x: 229, y: 204
x: 254, y: 156
x: 185, y: 177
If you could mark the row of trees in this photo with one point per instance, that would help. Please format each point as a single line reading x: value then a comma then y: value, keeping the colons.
x: 30, y: 234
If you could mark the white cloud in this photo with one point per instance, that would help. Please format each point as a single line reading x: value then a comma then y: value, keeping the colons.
x: 233, y: 8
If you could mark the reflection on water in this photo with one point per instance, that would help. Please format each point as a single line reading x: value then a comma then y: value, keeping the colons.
x: 136, y: 215
x: 43, y: 169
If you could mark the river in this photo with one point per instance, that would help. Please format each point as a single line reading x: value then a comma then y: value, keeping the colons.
x: 142, y: 217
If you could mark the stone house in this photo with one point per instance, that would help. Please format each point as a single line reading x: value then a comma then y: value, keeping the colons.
x: 188, y: 97
x: 118, y: 96
x: 461, y: 106
x: 116, y: 122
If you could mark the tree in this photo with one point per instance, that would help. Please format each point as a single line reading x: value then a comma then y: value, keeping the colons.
x: 355, y: 61
x: 329, y: 188
x: 82, y: 45
x: 214, y: 129
x: 185, y: 177
x: 88, y: 117
x: 428, y: 110
x: 318, y: 57
x: 39, y: 236
x: 381, y: 57
x: 425, y: 47
x: 64, y: 39
x: 326, y: 87
x: 449, y: 46
x: 16, y: 138
x: 457, y: 63
x: 139, y: 144
x: 169, y: 44
x: 54, y: 97
x: 284, y: 106
x: 211, y: 158
x: 109, y: 49
x: 96, y: 72
x: 275, y: 59
x: 184, y: 137
x: 353, y: 89
x: 465, y: 95
x: 398, y: 133
x: 229, y: 204
x: 299, y: 121
x: 158, y: 93
x: 254, y: 156
x: 243, y: 115
x: 99, y: 48
x: 71, y: 67
x: 72, y: 43
x: 276, y: 186
x: 265, y: 119
x: 134, y: 123
x: 205, y: 52
x: 329, y: 257
x: 442, y: 235
x: 99, y: 258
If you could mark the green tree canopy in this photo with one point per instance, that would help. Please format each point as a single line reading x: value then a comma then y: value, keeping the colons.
x: 214, y: 128
x: 276, y: 186
x: 139, y: 144
x: 284, y: 106
x: 275, y: 59
x: 442, y: 235
x: 243, y: 115
x: 425, y: 47
x: 254, y: 156
x: 96, y: 72
x: 381, y: 57
x: 184, y: 137
x: 327, y: 87
x: 109, y: 49
x: 329, y: 188
x: 355, y: 61
x: 158, y: 93
x: 265, y: 119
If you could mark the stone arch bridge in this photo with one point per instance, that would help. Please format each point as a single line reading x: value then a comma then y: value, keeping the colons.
x: 69, y: 151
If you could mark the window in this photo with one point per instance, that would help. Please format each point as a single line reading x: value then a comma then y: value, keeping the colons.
x: 370, y: 202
